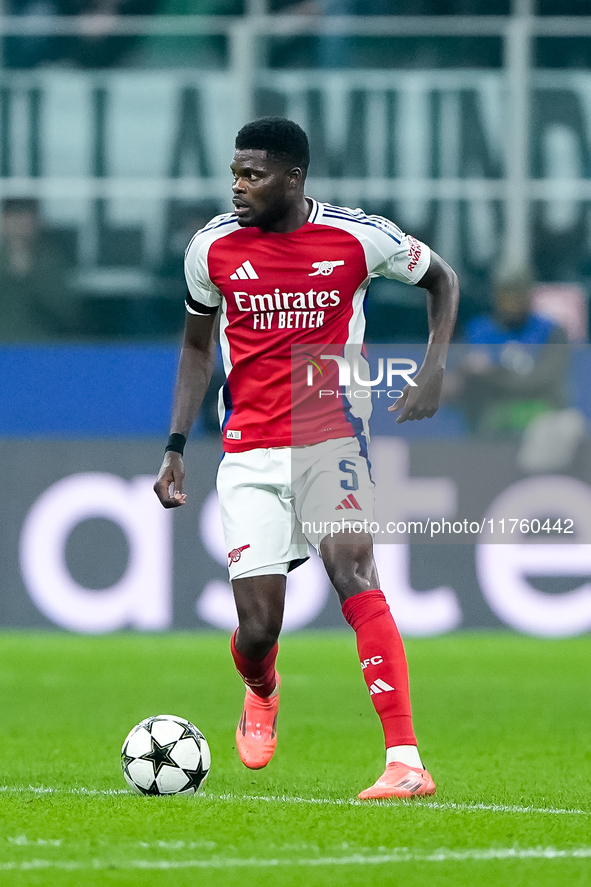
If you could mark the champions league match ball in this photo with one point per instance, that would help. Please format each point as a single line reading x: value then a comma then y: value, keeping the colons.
x: 165, y: 755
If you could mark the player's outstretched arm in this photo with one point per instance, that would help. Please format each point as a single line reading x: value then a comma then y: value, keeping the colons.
x: 443, y: 294
x: 193, y: 376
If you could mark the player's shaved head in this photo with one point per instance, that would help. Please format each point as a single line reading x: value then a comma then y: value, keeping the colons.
x: 282, y: 139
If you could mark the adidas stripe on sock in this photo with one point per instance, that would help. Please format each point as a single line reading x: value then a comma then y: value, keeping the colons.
x: 383, y: 661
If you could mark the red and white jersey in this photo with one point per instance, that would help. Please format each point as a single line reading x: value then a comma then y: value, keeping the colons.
x: 282, y: 294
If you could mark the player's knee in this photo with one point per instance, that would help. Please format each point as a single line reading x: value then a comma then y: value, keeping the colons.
x: 347, y: 585
x: 350, y: 567
x: 258, y: 639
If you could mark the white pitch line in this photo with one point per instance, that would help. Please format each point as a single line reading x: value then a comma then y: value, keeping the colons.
x: 398, y: 855
x: 412, y: 802
x: 506, y: 808
x: 475, y: 807
x: 47, y: 790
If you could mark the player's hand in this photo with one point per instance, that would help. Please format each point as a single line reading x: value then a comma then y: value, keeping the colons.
x: 420, y: 401
x: 169, y: 484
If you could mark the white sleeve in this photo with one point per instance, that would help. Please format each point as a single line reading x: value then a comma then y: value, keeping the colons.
x: 406, y: 261
x: 203, y: 296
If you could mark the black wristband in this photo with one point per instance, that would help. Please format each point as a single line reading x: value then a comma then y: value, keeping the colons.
x: 176, y: 444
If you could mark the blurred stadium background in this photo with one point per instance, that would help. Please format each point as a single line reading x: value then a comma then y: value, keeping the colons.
x: 467, y: 122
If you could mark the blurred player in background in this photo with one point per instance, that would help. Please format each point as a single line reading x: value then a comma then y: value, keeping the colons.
x: 36, y: 303
x: 515, y: 372
x: 283, y: 270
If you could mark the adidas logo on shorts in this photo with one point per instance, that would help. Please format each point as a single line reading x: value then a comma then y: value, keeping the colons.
x: 349, y: 502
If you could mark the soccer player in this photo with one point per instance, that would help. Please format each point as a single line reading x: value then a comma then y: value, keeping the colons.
x: 283, y: 270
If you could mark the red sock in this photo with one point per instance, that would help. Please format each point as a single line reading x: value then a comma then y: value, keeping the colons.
x: 259, y: 675
x: 383, y: 662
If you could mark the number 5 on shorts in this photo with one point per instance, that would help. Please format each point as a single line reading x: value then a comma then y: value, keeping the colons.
x: 348, y: 467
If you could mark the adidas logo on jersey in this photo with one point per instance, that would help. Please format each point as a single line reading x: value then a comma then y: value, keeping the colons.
x: 380, y: 686
x: 244, y: 272
x: 349, y: 502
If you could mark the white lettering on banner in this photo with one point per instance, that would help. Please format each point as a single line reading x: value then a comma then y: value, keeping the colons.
x: 307, y: 587
x: 417, y: 613
x: 142, y: 598
x: 394, y: 118
x: 399, y: 497
x: 503, y: 569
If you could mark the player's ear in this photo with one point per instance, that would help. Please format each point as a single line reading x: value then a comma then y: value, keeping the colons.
x: 295, y: 177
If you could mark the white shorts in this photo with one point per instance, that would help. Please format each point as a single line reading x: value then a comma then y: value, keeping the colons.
x: 275, y: 501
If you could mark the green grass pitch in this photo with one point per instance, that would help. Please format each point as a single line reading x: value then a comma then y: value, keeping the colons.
x: 503, y: 722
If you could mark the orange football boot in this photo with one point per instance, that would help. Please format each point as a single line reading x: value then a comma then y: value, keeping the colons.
x: 400, y: 781
x: 256, y: 734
